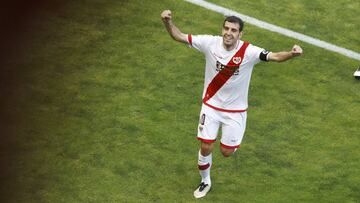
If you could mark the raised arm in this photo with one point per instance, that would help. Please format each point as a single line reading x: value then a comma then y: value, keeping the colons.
x: 285, y: 55
x: 174, y: 32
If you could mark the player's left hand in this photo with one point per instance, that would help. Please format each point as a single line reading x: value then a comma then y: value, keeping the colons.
x: 296, y: 50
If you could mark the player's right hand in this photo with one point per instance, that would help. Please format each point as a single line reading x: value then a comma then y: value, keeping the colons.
x: 166, y: 15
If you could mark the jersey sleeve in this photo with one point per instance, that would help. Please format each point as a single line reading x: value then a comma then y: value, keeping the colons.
x: 200, y: 42
x: 258, y: 54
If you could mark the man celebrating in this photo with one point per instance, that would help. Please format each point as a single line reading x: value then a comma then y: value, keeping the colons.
x: 229, y: 64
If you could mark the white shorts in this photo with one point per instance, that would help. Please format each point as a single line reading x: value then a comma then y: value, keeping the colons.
x: 232, y: 125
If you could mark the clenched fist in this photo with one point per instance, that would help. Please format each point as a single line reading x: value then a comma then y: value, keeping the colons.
x: 296, y: 50
x: 166, y: 15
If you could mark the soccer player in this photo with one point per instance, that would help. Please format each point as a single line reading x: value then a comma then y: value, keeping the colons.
x: 229, y: 64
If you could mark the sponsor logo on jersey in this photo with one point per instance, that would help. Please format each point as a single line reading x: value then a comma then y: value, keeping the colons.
x: 220, y: 67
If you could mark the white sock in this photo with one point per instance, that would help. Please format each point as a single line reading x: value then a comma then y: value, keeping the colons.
x: 204, y: 164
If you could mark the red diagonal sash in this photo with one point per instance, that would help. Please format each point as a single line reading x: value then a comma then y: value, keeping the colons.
x: 220, y: 79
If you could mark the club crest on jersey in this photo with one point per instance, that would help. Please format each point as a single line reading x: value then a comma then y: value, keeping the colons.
x: 236, y: 60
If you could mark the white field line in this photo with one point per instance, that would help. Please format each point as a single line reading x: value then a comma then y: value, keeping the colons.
x: 280, y: 30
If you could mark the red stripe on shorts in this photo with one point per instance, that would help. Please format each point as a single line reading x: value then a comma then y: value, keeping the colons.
x: 205, y: 140
x: 229, y: 147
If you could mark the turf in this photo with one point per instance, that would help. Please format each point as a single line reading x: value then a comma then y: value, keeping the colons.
x: 331, y: 21
x: 105, y: 109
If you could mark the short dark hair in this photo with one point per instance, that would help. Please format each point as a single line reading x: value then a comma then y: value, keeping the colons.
x: 234, y: 19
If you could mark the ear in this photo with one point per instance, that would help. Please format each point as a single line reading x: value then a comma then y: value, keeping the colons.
x: 240, y: 34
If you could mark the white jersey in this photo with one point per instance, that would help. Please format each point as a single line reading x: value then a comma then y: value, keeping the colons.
x: 232, y: 95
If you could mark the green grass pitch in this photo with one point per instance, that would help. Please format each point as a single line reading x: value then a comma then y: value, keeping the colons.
x: 104, y: 107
